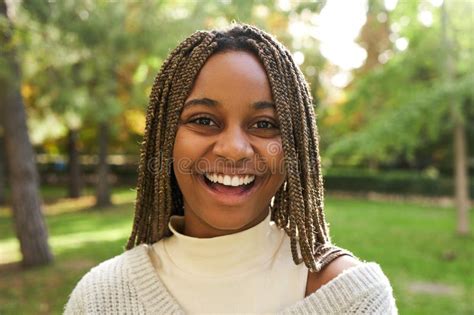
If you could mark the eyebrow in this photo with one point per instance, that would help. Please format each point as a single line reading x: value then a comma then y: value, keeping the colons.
x: 213, y: 103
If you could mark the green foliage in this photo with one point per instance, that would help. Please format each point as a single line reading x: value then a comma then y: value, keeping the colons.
x: 427, y: 183
x: 78, y: 60
x: 424, y: 116
x: 90, y: 61
x: 399, y: 107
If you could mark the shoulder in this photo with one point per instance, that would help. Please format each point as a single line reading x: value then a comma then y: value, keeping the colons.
x: 113, y: 269
x: 347, y: 285
x: 105, y: 282
x: 317, y: 279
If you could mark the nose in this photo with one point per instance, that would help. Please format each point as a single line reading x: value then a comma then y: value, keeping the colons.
x: 233, y: 145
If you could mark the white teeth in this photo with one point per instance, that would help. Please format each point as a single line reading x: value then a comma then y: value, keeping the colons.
x: 230, y: 180
x: 227, y: 181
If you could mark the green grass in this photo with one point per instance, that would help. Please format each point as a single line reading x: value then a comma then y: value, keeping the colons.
x: 413, y: 244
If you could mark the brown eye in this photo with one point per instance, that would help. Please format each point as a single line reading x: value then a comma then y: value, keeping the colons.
x: 265, y: 124
x: 204, y: 121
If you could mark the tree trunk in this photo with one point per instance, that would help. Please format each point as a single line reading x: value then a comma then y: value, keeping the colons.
x: 3, y: 184
x: 461, y: 184
x: 103, y: 189
x: 23, y: 177
x: 75, y: 178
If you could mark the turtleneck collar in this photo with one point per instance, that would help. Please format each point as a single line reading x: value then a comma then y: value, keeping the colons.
x: 226, y: 255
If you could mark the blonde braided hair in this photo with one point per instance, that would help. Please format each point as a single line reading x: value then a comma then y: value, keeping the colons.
x: 298, y: 204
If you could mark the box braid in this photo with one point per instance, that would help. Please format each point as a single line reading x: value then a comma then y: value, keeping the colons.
x: 298, y: 204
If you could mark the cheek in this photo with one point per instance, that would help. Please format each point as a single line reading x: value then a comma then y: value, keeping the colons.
x: 275, y: 158
x: 180, y: 145
x: 182, y: 156
x: 183, y: 149
x: 188, y: 150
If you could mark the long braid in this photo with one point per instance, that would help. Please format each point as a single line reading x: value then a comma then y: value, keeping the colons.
x: 307, y: 235
x: 314, y: 157
x: 298, y: 204
x: 304, y: 145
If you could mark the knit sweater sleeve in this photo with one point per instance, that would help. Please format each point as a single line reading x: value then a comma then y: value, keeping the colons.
x: 362, y: 289
x: 76, y: 304
x: 105, y: 289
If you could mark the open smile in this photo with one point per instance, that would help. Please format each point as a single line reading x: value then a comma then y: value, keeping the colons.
x: 229, y: 190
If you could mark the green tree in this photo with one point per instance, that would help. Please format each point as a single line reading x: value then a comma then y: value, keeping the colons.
x: 92, y: 64
x: 459, y: 134
x: 413, y: 97
x: 94, y: 82
x: 3, y: 182
x: 26, y: 202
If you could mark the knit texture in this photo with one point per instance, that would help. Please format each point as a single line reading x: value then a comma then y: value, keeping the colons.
x: 129, y: 284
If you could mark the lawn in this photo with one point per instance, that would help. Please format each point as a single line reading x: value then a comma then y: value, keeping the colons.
x: 431, y: 269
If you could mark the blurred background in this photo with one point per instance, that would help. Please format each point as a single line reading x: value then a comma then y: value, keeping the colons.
x: 393, y: 88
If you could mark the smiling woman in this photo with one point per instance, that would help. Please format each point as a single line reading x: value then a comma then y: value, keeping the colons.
x: 229, y: 218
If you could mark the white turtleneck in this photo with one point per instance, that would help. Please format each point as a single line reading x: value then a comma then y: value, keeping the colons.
x: 249, y: 271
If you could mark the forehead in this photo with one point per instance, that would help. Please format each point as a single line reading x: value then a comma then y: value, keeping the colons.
x: 233, y: 75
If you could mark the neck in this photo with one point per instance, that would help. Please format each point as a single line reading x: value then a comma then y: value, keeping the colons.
x: 224, y: 255
x: 196, y: 226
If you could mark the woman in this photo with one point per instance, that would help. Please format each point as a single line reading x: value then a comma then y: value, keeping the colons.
x: 229, y: 213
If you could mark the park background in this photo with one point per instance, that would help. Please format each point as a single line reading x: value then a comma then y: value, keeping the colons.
x: 393, y: 89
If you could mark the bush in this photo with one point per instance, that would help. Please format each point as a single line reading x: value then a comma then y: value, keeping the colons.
x: 395, y: 182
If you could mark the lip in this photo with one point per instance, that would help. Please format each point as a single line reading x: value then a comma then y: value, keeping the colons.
x: 243, y: 172
x: 229, y: 199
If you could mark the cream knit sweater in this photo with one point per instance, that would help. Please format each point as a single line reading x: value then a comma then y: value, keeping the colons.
x: 129, y: 284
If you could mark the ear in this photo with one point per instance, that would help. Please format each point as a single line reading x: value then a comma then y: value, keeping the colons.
x: 317, y: 279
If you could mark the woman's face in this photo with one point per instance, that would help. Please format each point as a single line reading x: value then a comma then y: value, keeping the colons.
x: 228, y: 157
